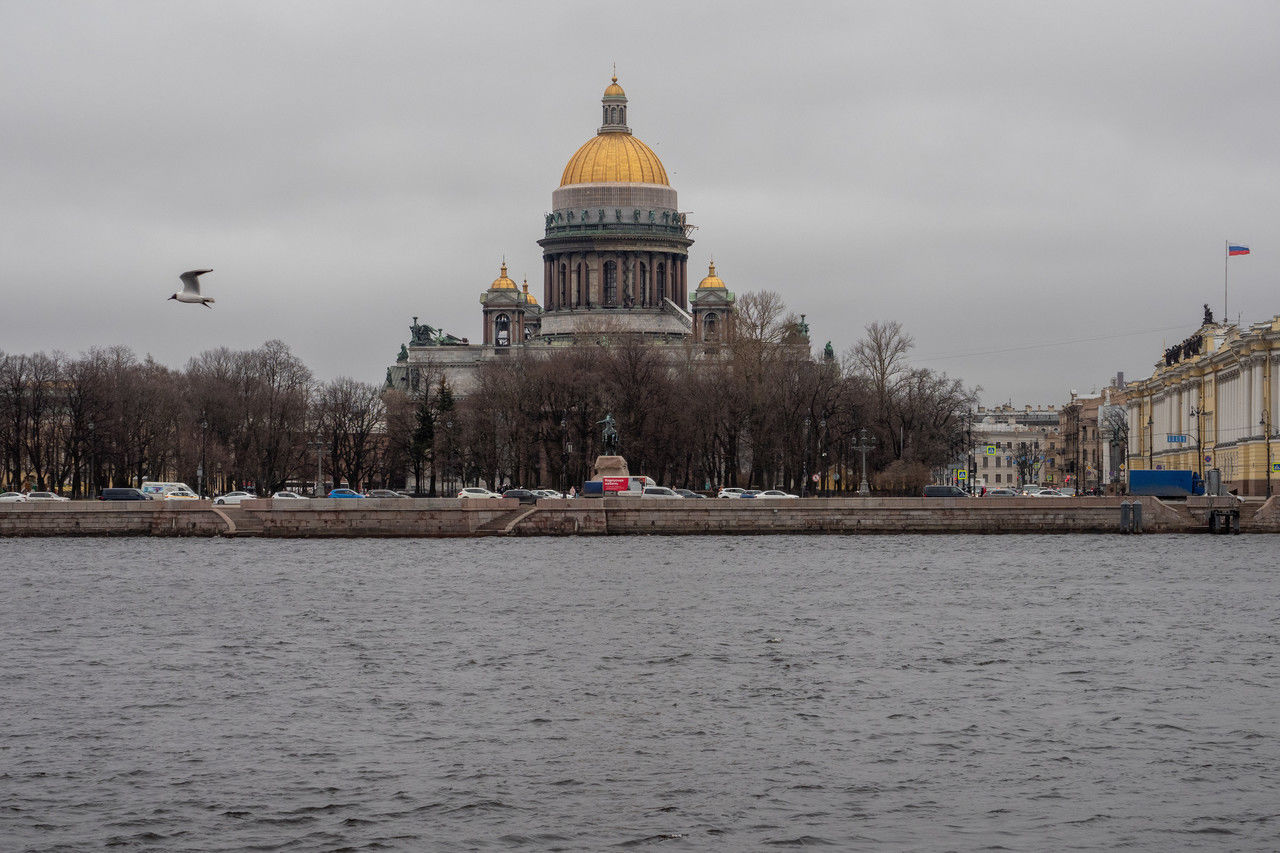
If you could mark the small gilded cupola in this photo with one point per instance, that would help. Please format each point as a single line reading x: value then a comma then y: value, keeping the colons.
x: 614, y: 106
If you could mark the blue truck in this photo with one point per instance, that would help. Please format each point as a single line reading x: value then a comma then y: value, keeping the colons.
x: 1165, y: 484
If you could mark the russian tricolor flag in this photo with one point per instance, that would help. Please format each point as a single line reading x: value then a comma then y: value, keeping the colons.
x: 1232, y: 251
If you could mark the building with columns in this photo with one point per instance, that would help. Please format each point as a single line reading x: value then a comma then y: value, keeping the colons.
x: 1212, y: 403
x: 616, y: 248
x: 615, y: 252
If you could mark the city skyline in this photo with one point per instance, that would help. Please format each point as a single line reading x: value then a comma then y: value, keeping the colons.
x: 1041, y: 196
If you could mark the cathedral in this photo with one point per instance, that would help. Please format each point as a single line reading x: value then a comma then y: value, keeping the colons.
x: 615, y: 254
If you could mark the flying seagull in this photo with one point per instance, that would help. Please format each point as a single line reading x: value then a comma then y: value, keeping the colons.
x: 191, y: 288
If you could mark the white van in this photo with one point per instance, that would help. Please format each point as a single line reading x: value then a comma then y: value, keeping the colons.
x: 157, y: 490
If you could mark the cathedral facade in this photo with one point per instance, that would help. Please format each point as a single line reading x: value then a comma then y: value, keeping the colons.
x: 615, y: 254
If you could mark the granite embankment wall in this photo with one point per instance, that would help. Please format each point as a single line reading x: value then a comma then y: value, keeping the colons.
x: 615, y: 516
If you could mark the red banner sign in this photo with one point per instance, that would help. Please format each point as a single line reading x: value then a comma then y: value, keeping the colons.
x: 614, y: 484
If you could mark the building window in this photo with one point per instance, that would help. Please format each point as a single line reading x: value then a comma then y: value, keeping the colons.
x: 502, y: 331
x: 642, y: 278
x: 662, y: 283
x: 985, y: 460
x: 610, y: 283
x: 563, y: 286
x: 709, y: 327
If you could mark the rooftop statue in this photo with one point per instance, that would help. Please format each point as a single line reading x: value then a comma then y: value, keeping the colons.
x: 429, y: 336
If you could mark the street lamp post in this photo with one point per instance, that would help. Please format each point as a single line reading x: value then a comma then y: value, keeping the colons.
x: 204, y: 429
x: 1196, y: 412
x: 804, y: 459
x: 1266, y: 426
x: 973, y: 462
x: 318, y: 444
x: 93, y: 471
x: 1151, y: 443
x: 864, y: 490
x: 822, y: 452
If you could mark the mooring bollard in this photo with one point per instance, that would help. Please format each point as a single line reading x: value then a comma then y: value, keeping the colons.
x: 1126, y: 517
x: 1137, y: 516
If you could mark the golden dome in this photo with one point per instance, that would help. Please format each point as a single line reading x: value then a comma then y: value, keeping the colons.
x: 528, y: 297
x: 614, y: 89
x: 502, y: 282
x: 712, y: 280
x: 610, y: 158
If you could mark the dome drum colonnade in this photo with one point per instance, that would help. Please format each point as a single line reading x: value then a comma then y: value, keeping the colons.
x: 615, y: 239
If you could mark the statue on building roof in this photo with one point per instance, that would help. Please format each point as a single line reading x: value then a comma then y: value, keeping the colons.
x: 429, y: 336
x: 1208, y: 315
x: 828, y: 352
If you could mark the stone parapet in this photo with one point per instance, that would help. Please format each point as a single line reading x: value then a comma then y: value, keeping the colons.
x: 442, y: 517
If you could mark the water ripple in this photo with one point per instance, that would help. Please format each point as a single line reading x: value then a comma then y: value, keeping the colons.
x: 923, y: 693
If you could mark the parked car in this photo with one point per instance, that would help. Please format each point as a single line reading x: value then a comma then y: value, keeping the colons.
x: 234, y: 498
x: 525, y: 496
x: 689, y: 494
x: 1049, y: 493
x: 940, y: 491
x: 122, y: 494
x: 750, y: 493
x: 1000, y: 493
x: 730, y: 492
x: 13, y: 498
x: 476, y: 492
x: 345, y: 493
x: 383, y: 493
x: 289, y: 496
x: 548, y: 493
x: 180, y: 495
x: 44, y: 496
x: 776, y: 493
x: 659, y: 492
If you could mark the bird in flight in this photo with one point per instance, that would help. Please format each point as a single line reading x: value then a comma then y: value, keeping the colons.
x: 191, y: 288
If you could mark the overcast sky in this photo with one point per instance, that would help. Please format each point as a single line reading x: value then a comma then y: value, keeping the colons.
x: 1039, y: 192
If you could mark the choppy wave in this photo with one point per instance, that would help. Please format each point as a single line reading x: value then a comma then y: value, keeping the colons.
x: 587, y: 694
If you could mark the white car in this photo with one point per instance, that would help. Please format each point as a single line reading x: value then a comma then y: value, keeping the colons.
x: 776, y: 493
x: 181, y: 495
x: 1049, y: 493
x: 234, y: 498
x: 476, y: 492
x: 661, y: 492
x: 44, y: 496
x: 13, y: 498
x: 731, y: 492
x: 289, y: 496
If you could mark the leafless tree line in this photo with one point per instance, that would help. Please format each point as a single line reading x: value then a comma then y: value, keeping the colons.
x: 757, y: 411
x: 251, y: 419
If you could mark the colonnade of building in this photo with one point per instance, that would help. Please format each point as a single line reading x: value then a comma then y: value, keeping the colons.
x: 582, y: 280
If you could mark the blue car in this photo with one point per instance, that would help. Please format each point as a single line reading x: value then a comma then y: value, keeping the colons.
x: 345, y: 493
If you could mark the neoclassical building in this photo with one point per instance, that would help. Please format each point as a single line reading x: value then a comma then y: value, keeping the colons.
x: 1211, y: 403
x: 615, y: 255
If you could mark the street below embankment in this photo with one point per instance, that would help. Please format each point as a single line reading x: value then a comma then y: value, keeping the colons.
x: 441, y: 517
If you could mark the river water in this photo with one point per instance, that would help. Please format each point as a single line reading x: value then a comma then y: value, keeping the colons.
x: 874, y: 693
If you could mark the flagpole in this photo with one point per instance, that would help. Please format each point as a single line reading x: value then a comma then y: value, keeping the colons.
x: 1226, y: 256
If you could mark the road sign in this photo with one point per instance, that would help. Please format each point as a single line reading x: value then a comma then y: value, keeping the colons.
x: 1176, y: 439
x: 815, y: 478
x: 990, y: 450
x: 962, y: 475
x: 1275, y: 466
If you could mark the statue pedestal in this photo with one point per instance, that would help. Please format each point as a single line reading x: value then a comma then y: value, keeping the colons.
x: 609, y: 466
